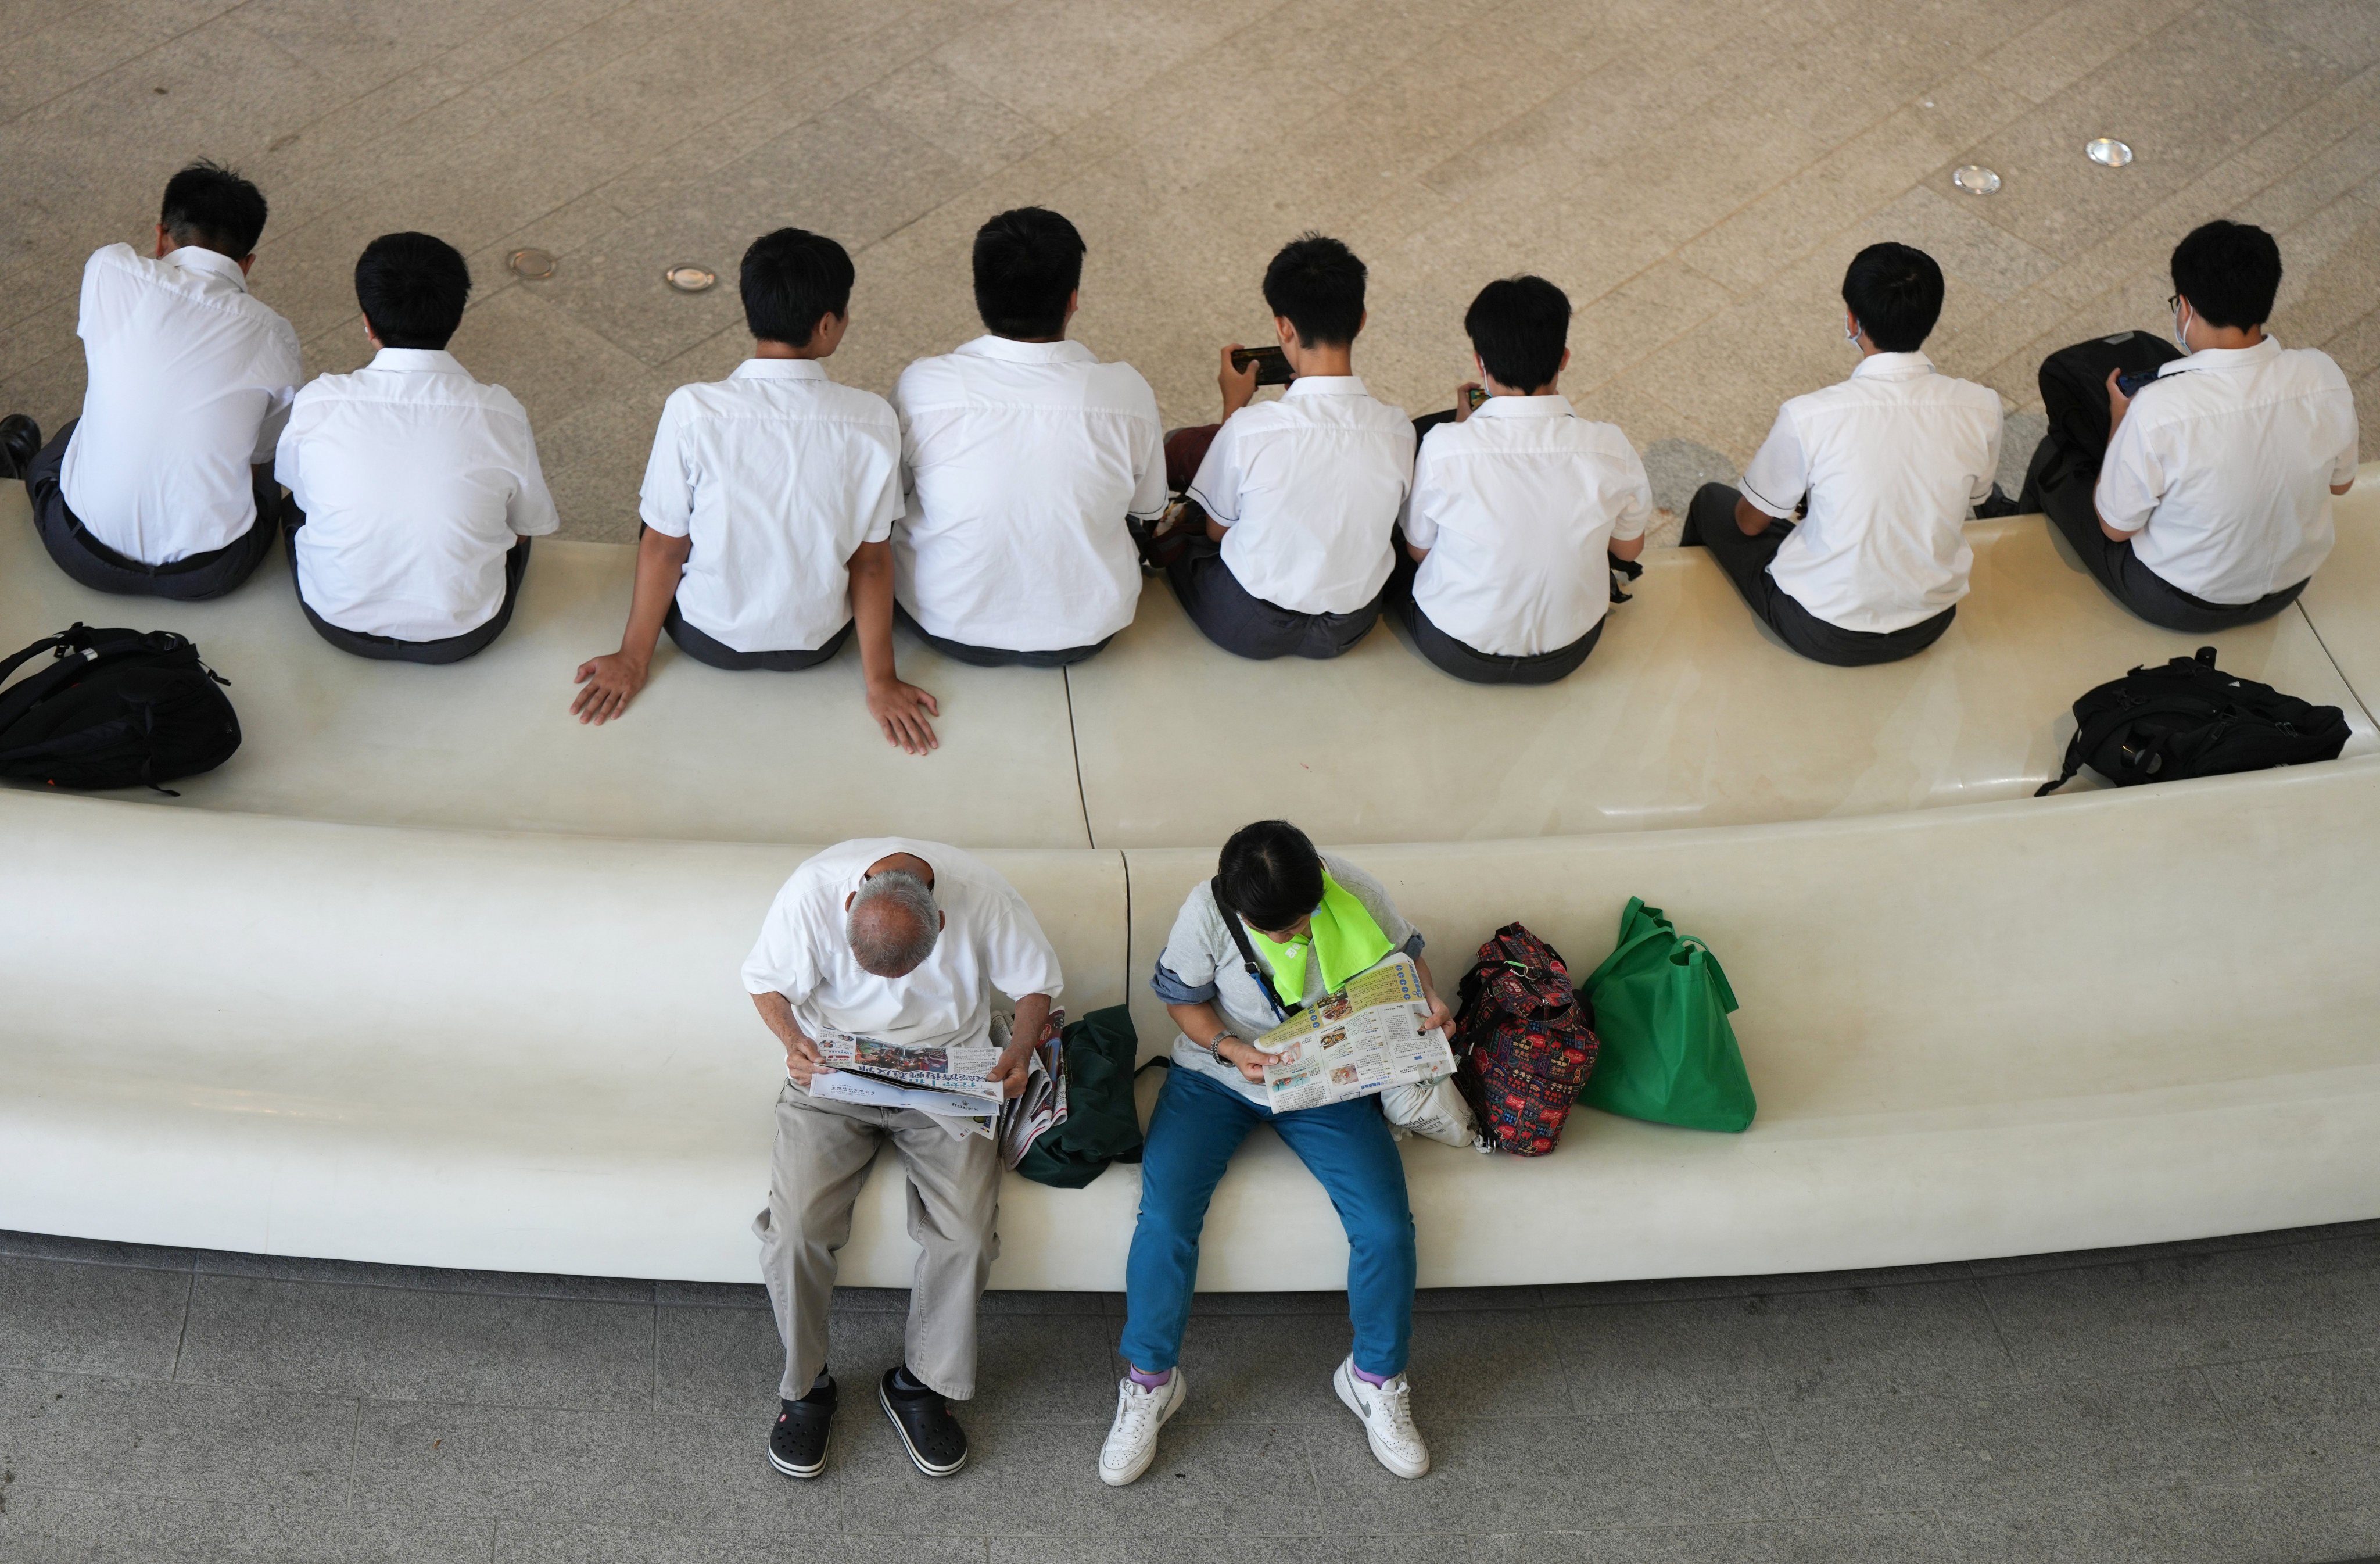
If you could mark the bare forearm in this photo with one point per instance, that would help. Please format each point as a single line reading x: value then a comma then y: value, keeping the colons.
x: 1032, y: 1016
x: 661, y: 562
x: 1750, y: 519
x: 777, y: 1015
x: 872, y: 611
x: 1199, y: 1022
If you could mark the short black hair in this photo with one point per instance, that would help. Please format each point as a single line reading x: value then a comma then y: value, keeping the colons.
x: 209, y: 205
x: 1519, y: 327
x: 1316, y: 285
x: 1027, y: 263
x: 791, y: 278
x: 1271, y: 876
x: 2229, y: 272
x: 1895, y: 293
x: 412, y: 288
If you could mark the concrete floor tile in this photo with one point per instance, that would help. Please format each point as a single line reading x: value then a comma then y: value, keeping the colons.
x: 147, y: 1438
x: 1484, y: 1363
x: 394, y: 1344
x: 1529, y: 1474
x: 1402, y: 1548
x: 2285, y: 1521
x: 73, y: 1526
x: 1257, y: 1368
x: 69, y: 1318
x: 353, y: 1273
x: 731, y: 1360
x: 1914, y: 1538
x: 526, y: 1542
x: 2192, y: 1308
x: 94, y: 1252
x: 1779, y: 1349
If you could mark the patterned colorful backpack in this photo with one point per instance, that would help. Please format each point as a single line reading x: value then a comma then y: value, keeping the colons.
x: 1524, y: 1042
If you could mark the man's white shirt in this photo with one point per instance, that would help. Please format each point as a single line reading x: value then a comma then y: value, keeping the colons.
x: 416, y: 480
x: 1022, y: 460
x: 1518, y: 505
x: 190, y: 378
x: 1892, y: 460
x: 778, y: 475
x: 1308, y: 489
x: 2223, y: 467
x: 989, y: 939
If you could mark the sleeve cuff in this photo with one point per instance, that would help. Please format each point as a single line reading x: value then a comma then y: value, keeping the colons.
x: 1174, y: 991
x: 1762, y: 504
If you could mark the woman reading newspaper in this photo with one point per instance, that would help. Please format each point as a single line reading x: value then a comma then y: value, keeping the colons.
x: 1308, y: 923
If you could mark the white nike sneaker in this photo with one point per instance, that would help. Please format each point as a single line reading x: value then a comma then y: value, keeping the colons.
x: 1140, y: 1413
x: 1387, y: 1411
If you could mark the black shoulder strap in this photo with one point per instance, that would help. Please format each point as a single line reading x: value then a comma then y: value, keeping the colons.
x: 64, y: 638
x: 1248, y: 956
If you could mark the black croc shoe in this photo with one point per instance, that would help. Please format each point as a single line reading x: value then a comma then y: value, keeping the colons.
x: 936, y: 1445
x: 21, y: 441
x: 797, y: 1444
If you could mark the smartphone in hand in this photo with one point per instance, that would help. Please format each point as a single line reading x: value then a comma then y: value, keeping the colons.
x: 2131, y: 382
x: 1272, y: 365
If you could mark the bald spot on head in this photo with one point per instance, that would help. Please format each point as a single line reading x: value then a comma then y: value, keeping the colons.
x: 893, y: 924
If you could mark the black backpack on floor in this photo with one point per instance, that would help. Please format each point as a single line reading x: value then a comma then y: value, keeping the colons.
x: 118, y: 708
x: 2185, y: 719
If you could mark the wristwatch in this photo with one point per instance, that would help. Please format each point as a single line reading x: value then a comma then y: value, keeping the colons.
x: 1214, y: 1045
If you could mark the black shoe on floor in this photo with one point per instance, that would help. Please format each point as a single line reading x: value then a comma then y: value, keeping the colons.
x: 936, y: 1445
x: 797, y: 1444
x: 21, y: 441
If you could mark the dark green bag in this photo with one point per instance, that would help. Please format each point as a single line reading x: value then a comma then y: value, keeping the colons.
x: 1102, y: 1124
x: 1669, y: 1054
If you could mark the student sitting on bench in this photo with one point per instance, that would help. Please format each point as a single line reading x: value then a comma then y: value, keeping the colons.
x: 1516, y: 505
x: 1302, y: 494
x: 1887, y: 462
x: 2212, y: 504
x: 164, y: 487
x: 1025, y: 456
x: 414, y: 489
x: 768, y: 507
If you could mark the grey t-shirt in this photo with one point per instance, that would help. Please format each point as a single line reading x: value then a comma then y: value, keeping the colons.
x: 1201, y: 964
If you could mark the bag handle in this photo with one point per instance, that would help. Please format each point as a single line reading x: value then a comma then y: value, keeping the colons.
x: 1654, y: 928
x: 79, y: 635
x: 1247, y: 955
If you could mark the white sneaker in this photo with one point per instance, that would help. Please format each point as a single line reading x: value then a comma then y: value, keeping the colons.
x: 1140, y: 1413
x: 1387, y: 1411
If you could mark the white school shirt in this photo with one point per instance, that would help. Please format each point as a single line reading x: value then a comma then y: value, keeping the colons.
x: 778, y: 474
x: 1518, y: 505
x: 1022, y: 462
x: 190, y: 380
x: 415, y: 479
x: 1308, y: 489
x: 2223, y: 466
x: 989, y: 938
x: 1892, y: 460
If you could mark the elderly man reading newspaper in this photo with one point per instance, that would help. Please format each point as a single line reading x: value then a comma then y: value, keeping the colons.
x: 1309, y: 925
x: 874, y: 948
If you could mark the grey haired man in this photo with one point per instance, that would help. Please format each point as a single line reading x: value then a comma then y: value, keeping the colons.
x: 903, y: 942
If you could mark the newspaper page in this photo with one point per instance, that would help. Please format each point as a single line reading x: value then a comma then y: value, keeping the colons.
x: 1365, y: 1038
x: 1040, y: 1108
x: 952, y: 1083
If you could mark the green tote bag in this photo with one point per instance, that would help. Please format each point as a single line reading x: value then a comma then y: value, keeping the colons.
x: 1669, y: 1054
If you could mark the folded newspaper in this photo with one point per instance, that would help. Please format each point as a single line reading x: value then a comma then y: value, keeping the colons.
x: 953, y: 1084
x: 1362, y: 1039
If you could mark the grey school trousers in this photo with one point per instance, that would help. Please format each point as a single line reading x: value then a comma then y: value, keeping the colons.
x: 823, y: 1152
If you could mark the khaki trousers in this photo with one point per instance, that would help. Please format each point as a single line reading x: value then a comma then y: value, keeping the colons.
x: 824, y: 1149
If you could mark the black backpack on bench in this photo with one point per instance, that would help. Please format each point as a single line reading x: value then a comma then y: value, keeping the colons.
x: 118, y: 708
x: 2185, y: 719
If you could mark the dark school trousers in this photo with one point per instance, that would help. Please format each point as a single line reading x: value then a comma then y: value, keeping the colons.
x: 1450, y: 655
x: 996, y: 656
x: 719, y: 655
x: 90, y: 562
x: 2066, y: 492
x: 1710, y: 520
x: 388, y: 648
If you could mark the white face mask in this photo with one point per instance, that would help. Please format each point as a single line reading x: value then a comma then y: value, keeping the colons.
x: 2180, y: 331
x: 1851, y: 333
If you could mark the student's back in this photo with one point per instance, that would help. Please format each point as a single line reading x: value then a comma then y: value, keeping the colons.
x: 2232, y: 453
x: 1308, y: 489
x: 190, y: 378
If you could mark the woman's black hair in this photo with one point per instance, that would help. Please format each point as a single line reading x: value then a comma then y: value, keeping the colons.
x: 1270, y: 874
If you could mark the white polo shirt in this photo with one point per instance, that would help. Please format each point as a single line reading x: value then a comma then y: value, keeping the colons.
x: 1518, y: 505
x: 1892, y: 460
x: 1308, y: 489
x: 989, y: 938
x: 415, y: 480
x: 190, y: 378
x: 2222, y: 469
x: 778, y: 474
x: 1022, y: 462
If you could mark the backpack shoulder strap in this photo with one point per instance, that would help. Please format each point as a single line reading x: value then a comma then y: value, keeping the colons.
x: 1248, y: 956
x: 45, y: 644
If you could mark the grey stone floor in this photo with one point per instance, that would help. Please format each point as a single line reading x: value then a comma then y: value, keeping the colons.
x: 1695, y: 172
x: 2216, y: 1402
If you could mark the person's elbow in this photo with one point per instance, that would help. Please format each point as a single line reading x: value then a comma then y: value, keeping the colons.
x: 1627, y: 549
x: 2342, y: 488
x: 2115, y: 534
x: 1417, y: 553
x: 1750, y: 519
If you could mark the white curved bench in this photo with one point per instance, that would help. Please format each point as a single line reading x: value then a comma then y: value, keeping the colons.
x: 444, y: 1040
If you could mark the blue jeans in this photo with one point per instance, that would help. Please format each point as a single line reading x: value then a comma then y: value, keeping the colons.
x: 1198, y: 1125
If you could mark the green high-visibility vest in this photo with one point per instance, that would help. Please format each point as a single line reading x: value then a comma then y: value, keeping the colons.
x: 1340, y: 933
